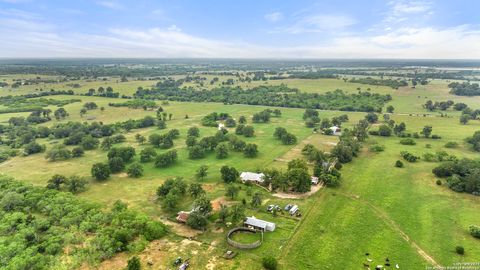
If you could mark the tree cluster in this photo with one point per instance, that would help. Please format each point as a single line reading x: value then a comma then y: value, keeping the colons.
x: 39, y: 223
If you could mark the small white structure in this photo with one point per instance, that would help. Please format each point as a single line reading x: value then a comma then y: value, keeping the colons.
x: 252, y: 177
x: 293, y: 210
x: 314, y: 180
x: 336, y: 130
x: 259, y: 224
x: 221, y: 126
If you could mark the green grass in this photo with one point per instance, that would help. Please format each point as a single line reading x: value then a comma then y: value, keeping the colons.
x: 124, y: 88
x: 433, y: 216
x: 365, y: 214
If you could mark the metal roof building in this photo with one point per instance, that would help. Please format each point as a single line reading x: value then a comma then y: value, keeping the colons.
x: 259, y: 224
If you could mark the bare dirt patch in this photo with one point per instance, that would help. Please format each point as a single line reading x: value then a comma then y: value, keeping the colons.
x: 285, y: 195
x: 216, y: 204
x: 181, y: 229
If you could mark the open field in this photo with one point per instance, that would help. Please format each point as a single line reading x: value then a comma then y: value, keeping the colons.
x: 399, y: 213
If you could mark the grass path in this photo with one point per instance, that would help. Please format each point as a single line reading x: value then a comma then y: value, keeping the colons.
x: 394, y: 226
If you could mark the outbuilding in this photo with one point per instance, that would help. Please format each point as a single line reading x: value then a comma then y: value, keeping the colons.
x: 259, y: 224
x: 182, y: 216
x: 336, y: 130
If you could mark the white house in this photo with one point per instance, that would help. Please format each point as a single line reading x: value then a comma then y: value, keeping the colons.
x: 252, y: 177
x: 314, y: 180
x: 259, y: 224
x: 336, y: 130
x: 221, y: 126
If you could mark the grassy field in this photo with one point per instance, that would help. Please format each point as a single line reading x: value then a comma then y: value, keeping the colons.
x: 385, y: 211
x: 124, y: 88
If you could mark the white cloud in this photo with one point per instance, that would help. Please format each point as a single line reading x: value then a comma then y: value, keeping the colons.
x: 410, y: 7
x: 28, y: 36
x: 314, y: 23
x: 110, y: 5
x: 403, y: 10
x: 274, y: 17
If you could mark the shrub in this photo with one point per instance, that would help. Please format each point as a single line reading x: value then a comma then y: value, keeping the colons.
x: 166, y: 159
x: 58, y: 152
x: 193, y: 131
x: 197, y: 221
x: 328, y: 131
x: 229, y: 174
x: 439, y: 182
x: 460, y: 250
x: 408, y: 141
x: 475, y: 231
x: 77, y: 152
x: 251, y: 150
x: 196, y: 152
x: 409, y: 157
x: 385, y: 131
x: 377, y: 148
x: 451, y: 145
x: 89, y: 143
x: 116, y: 164
x: 33, y: 148
x: 134, y: 264
x: 147, y: 154
x: 135, y: 170
x: 289, y: 139
x: 269, y: 263
x: 399, y: 164
x: 100, y: 171
x: 221, y: 151
x: 126, y: 153
x: 248, y: 131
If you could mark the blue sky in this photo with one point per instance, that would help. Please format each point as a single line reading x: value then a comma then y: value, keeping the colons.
x: 241, y: 29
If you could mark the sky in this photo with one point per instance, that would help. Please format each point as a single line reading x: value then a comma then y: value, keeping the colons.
x: 297, y: 29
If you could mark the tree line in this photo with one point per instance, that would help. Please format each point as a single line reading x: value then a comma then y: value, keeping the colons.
x: 278, y: 96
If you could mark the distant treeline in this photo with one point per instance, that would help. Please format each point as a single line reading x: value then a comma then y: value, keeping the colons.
x: 278, y: 96
x: 464, y: 89
x: 322, y: 74
x: 165, y: 67
x: 444, y: 75
x: 135, y: 104
x: 395, y: 84
x: 33, y: 102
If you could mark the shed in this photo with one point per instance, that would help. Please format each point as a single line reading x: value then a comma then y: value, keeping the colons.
x: 221, y: 126
x: 314, y: 180
x: 182, y: 216
x: 252, y: 177
x: 259, y: 224
x: 336, y: 130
